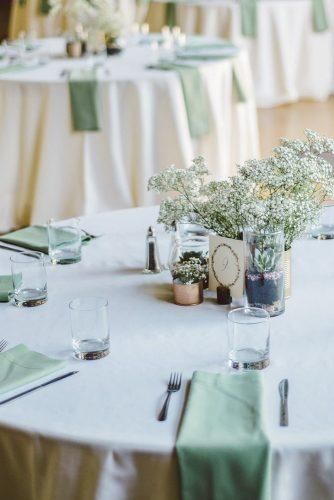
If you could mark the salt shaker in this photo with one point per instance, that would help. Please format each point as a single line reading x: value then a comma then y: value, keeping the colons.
x: 152, y: 253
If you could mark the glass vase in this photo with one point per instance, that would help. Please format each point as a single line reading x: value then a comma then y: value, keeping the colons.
x: 264, y: 273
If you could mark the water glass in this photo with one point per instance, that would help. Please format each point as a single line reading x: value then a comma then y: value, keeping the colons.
x: 248, y: 338
x: 90, y: 327
x: 64, y: 241
x: 325, y: 228
x: 29, y: 279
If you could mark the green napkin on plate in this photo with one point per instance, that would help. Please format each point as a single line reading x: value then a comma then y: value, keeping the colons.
x: 195, y: 98
x: 248, y: 13
x: 6, y: 286
x: 85, y: 100
x: 222, y: 449
x: 36, y: 238
x: 319, y: 16
x: 20, y: 366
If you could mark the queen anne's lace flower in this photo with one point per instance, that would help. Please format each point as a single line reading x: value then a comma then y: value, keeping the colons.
x: 284, y: 191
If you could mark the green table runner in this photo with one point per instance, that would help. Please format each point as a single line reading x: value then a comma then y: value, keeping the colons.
x: 195, y: 98
x: 248, y: 13
x: 20, y: 366
x: 222, y: 450
x: 35, y: 238
x: 85, y: 100
x: 319, y: 17
x: 6, y: 286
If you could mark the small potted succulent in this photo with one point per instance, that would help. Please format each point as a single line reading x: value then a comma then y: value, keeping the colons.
x: 264, y: 276
x: 188, y: 278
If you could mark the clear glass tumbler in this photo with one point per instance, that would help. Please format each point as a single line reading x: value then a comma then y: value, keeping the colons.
x: 64, y: 241
x: 324, y: 230
x: 90, y: 327
x: 248, y: 338
x: 29, y: 279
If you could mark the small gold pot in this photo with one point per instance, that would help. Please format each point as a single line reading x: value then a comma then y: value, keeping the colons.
x: 287, y: 273
x: 188, y: 295
x: 74, y: 49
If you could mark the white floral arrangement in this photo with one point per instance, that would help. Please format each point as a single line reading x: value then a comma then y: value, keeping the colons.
x: 190, y: 271
x: 284, y: 191
x: 100, y: 15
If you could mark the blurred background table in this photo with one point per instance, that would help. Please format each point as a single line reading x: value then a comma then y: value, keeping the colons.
x: 289, y: 60
x: 52, y: 171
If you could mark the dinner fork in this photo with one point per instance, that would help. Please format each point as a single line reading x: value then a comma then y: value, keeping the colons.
x: 174, y: 385
x: 3, y: 344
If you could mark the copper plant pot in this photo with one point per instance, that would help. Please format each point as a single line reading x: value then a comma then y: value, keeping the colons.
x: 188, y: 295
x: 74, y: 49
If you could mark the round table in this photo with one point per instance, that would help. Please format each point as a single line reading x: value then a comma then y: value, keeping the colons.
x: 96, y: 435
x: 48, y: 170
x: 289, y: 60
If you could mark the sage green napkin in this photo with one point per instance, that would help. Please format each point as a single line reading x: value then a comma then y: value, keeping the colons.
x: 195, y: 98
x: 222, y: 450
x: 6, y: 286
x: 20, y: 366
x: 248, y: 13
x: 36, y: 238
x: 170, y: 14
x: 319, y: 16
x: 44, y: 7
x: 85, y: 100
x: 17, y: 67
x: 238, y: 88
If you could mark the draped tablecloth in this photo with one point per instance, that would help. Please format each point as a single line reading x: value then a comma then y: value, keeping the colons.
x: 47, y: 170
x: 289, y: 60
x: 95, y: 435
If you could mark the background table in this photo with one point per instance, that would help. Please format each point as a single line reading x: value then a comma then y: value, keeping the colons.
x: 47, y: 170
x: 95, y: 435
x: 289, y: 60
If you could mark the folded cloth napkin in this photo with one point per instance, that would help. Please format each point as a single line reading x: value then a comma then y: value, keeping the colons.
x: 195, y: 98
x: 85, y: 100
x: 36, y: 238
x: 170, y: 14
x: 319, y: 16
x: 20, y: 366
x: 6, y: 286
x: 222, y: 450
x: 248, y: 13
x: 44, y: 7
x: 9, y: 68
x: 238, y: 88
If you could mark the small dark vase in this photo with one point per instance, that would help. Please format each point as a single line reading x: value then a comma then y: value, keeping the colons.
x: 112, y: 46
x: 266, y: 290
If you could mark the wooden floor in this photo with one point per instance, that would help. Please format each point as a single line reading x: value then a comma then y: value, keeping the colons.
x: 290, y: 120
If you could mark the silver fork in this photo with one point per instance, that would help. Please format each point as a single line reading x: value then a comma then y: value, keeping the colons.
x: 174, y: 385
x: 3, y: 344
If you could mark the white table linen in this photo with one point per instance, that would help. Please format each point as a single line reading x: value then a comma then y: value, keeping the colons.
x: 289, y: 60
x: 48, y: 170
x: 95, y: 435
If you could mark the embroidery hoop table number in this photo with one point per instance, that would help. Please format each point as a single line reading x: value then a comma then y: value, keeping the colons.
x: 234, y: 255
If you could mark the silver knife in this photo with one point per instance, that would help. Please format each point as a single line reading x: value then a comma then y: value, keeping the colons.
x: 284, y: 392
x: 37, y: 387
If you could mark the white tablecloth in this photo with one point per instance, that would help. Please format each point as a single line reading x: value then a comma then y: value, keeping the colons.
x: 47, y: 170
x: 95, y: 435
x: 289, y: 60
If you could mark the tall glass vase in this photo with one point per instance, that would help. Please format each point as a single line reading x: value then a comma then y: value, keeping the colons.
x: 264, y: 275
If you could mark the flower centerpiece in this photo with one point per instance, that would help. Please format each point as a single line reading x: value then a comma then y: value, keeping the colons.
x: 283, y: 192
x: 90, y: 19
x: 188, y: 276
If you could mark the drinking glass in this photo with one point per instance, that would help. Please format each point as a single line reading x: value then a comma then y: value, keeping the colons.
x: 29, y: 279
x: 90, y: 327
x: 325, y: 228
x: 64, y: 241
x: 248, y: 338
